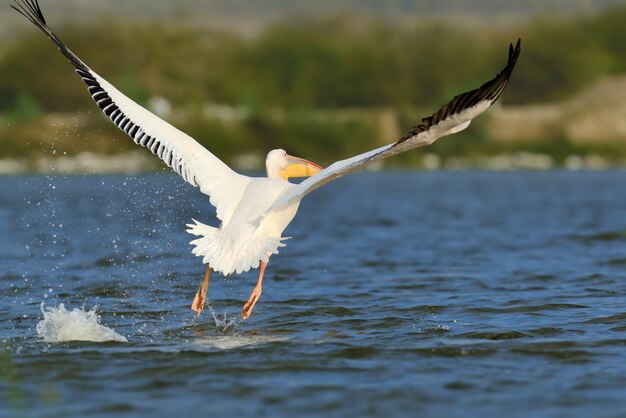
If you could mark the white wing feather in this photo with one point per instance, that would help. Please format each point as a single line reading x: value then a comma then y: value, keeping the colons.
x: 197, y: 165
x: 178, y: 150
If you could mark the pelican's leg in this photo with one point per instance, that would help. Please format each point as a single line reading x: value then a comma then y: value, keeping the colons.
x: 198, y: 301
x: 256, y: 293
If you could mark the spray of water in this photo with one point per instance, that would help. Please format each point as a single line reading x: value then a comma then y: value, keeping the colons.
x: 229, y: 337
x: 223, y: 323
x: 59, y: 325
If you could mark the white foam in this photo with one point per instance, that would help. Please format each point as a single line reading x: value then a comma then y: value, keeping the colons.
x: 59, y: 324
x: 230, y: 342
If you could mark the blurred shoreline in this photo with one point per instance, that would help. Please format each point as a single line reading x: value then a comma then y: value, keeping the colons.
x: 323, y: 85
x: 585, y: 132
x: 139, y: 162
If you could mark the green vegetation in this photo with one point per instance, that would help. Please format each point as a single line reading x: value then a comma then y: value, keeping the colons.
x: 316, y: 87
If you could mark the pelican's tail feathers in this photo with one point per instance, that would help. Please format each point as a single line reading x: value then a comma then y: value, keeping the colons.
x: 200, y: 229
x: 206, y: 233
x: 232, y: 251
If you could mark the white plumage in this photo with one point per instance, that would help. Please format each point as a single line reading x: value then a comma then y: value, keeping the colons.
x: 255, y: 211
x: 251, y: 233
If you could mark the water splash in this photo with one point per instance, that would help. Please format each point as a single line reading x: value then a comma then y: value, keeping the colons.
x: 229, y: 337
x: 59, y: 325
x: 223, y: 323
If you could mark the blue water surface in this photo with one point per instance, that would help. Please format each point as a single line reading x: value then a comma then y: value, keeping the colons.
x: 445, y: 294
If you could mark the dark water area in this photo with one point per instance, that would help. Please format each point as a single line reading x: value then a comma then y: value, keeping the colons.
x: 446, y: 294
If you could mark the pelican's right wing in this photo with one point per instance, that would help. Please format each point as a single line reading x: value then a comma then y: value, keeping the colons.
x: 178, y: 150
x: 453, y: 117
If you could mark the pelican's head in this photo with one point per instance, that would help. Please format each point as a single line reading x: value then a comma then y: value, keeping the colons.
x: 280, y: 165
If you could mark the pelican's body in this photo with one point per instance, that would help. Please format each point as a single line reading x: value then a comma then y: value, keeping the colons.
x: 254, y: 212
x: 251, y: 233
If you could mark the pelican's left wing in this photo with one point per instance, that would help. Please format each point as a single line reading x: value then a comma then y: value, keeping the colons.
x: 182, y: 153
x: 453, y: 117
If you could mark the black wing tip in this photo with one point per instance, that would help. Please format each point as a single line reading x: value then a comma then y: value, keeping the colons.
x: 31, y: 10
x: 505, y: 74
x: 490, y: 91
x: 514, y: 52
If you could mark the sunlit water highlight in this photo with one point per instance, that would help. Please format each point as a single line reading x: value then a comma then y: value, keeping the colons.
x: 401, y: 294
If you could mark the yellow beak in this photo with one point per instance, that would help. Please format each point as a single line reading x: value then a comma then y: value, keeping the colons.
x: 299, y: 167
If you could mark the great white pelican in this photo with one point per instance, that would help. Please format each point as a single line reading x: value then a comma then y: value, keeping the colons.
x: 254, y: 211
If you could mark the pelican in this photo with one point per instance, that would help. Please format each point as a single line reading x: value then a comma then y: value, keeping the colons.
x: 254, y: 212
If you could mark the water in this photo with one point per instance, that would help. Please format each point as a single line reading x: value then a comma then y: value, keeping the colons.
x: 60, y: 325
x: 401, y: 294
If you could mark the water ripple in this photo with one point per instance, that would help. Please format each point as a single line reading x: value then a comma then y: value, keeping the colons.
x: 425, y: 294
